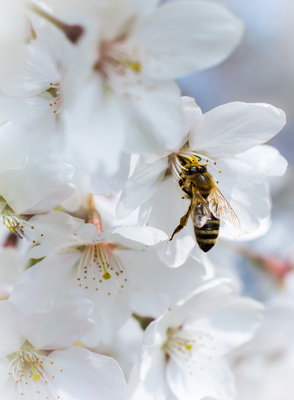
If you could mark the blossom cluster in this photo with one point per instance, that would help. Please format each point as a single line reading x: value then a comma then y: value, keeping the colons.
x: 118, y: 198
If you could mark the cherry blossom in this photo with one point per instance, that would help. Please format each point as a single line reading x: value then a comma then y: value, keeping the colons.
x: 183, y: 351
x: 227, y: 140
x: 38, y: 357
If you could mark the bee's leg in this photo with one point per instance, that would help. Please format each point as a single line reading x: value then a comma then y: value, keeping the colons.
x: 184, y: 188
x: 183, y: 223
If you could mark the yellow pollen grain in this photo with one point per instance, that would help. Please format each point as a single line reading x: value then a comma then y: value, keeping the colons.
x: 219, y: 172
x: 51, y: 362
x: 51, y: 104
x: 32, y: 227
x: 215, y: 163
x: 54, y: 111
x: 217, y: 181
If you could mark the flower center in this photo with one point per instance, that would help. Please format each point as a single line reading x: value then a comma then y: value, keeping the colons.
x: 33, y: 372
x: 186, y: 157
x: 179, y: 345
x: 55, y: 102
x: 14, y: 224
x: 99, y: 264
x: 113, y: 60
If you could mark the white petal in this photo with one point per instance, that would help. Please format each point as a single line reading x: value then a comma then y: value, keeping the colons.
x: 88, y: 375
x: 184, y: 37
x: 147, y: 235
x: 229, y: 325
x: 206, y: 378
x: 8, y: 389
x: 267, y: 160
x: 49, y: 277
x: 108, y: 185
x: 236, y: 127
x: 152, y: 115
x: 154, y: 385
x: 33, y: 113
x: 191, y: 113
x: 48, y: 180
x: 94, y: 129
x: 142, y: 185
x: 154, y: 285
x: 163, y: 211
x: 53, y: 231
x: 247, y: 193
x: 65, y: 322
x: 43, y: 61
x: 10, y: 333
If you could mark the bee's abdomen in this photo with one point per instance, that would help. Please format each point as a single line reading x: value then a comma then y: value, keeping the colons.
x: 206, y: 236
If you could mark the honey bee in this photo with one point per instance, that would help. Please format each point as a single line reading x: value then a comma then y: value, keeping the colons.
x: 207, y: 207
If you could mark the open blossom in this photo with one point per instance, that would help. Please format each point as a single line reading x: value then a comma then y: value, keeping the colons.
x: 119, y: 88
x: 182, y: 354
x: 38, y: 358
x: 98, y: 262
x: 227, y: 139
x: 32, y: 96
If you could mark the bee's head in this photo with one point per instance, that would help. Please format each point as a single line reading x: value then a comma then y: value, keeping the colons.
x: 194, y: 169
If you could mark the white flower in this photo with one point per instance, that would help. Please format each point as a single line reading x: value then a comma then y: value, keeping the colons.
x: 38, y: 360
x: 32, y: 96
x: 225, y: 139
x: 119, y: 88
x: 99, y: 262
x: 183, y: 351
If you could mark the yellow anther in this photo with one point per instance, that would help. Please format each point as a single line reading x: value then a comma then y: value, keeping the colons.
x: 135, y: 66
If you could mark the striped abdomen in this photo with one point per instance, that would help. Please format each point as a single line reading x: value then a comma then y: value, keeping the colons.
x: 206, y: 236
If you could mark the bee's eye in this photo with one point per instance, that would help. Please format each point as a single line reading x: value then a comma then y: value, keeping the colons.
x: 193, y: 169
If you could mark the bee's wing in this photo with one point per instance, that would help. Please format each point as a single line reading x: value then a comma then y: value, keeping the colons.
x: 200, y: 212
x: 221, y: 209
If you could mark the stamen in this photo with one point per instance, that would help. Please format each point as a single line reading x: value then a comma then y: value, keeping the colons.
x: 98, y: 264
x: 30, y: 369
